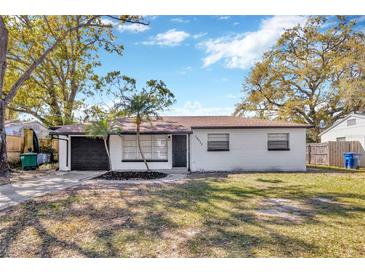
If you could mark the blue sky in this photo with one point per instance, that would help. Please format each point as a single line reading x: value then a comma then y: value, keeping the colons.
x: 202, y: 59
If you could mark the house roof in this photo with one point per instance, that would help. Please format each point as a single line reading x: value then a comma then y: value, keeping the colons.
x: 22, y: 123
x: 358, y: 115
x: 185, y: 124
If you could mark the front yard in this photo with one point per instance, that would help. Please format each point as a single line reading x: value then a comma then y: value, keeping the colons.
x: 315, y: 214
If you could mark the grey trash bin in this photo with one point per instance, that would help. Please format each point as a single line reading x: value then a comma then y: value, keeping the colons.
x: 356, y: 157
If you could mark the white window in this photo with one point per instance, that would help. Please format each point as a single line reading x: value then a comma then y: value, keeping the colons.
x: 351, y: 122
x: 218, y: 142
x: 154, y: 148
x: 278, y: 141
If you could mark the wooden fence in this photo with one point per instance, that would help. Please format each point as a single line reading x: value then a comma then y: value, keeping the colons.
x: 331, y: 153
x: 16, y: 146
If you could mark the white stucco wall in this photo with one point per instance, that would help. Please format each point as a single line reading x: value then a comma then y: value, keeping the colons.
x: 248, y: 151
x: 116, y: 157
x: 351, y: 133
x: 62, y: 151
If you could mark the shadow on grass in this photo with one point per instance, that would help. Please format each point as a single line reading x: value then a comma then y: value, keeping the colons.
x: 145, y: 214
x: 275, y: 181
x: 333, y: 169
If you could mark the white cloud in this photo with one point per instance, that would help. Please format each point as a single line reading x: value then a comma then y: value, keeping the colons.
x: 236, y: 24
x: 196, y: 108
x: 170, y: 38
x: 134, y: 28
x: 107, y: 21
x: 185, y: 70
x: 199, y: 35
x: 179, y: 20
x: 224, y: 17
x: 224, y: 79
x: 360, y: 19
x: 243, y: 50
x: 150, y: 17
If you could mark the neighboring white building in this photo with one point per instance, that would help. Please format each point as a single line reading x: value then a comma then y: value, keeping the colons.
x: 350, y: 128
x: 194, y: 143
x: 16, y: 128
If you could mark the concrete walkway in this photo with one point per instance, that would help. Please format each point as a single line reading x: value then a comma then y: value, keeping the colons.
x: 15, y: 193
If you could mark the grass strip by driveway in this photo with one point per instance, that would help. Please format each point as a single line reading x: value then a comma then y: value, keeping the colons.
x: 213, y: 215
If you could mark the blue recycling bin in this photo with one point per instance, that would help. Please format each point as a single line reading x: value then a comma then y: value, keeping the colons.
x: 351, y: 160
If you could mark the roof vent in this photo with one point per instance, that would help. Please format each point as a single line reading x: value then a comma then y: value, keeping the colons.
x: 351, y: 122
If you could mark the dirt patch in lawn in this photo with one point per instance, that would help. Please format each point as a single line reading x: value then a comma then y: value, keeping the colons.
x: 284, y: 210
x: 130, y: 175
x: 17, y: 175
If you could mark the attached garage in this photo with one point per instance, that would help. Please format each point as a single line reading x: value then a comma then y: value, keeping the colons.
x: 88, y: 154
x: 188, y: 143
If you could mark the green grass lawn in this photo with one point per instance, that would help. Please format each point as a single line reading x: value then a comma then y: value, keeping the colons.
x: 315, y: 214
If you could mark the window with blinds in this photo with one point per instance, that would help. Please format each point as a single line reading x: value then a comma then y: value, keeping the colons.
x: 218, y: 142
x: 278, y: 141
x: 154, y: 148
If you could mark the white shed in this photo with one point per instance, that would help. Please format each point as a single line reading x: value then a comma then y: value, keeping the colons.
x: 16, y: 128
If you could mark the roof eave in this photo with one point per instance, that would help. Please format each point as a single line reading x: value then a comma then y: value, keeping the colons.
x: 125, y: 133
x: 248, y: 127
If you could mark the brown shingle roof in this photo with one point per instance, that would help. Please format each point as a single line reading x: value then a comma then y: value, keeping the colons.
x: 185, y: 124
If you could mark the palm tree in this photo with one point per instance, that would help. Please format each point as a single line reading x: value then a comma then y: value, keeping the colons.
x: 143, y: 105
x: 102, y: 128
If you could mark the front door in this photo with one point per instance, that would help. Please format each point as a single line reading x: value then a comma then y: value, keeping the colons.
x: 178, y: 150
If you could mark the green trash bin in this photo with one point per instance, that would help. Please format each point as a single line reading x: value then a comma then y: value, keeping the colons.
x: 29, y: 160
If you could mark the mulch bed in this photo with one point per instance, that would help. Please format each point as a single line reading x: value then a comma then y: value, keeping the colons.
x: 128, y: 175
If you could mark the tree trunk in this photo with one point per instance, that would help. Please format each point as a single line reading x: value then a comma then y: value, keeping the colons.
x: 107, y: 152
x: 4, y: 167
x: 140, y: 149
x: 316, y: 132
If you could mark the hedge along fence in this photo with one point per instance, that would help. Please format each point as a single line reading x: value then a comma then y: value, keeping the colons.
x: 16, y: 146
x: 331, y: 153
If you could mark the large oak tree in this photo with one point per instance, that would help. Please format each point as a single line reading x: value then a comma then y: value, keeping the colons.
x: 314, y: 74
x: 64, y: 79
x: 24, y: 46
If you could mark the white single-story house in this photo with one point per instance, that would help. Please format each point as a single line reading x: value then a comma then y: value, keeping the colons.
x: 350, y: 128
x: 191, y: 143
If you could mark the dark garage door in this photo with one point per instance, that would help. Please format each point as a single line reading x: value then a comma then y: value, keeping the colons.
x: 88, y: 154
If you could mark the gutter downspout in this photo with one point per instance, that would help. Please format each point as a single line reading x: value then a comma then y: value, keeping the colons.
x: 188, y: 152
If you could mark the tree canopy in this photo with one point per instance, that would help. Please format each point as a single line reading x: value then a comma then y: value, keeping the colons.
x: 60, y: 84
x: 314, y: 74
x: 25, y: 43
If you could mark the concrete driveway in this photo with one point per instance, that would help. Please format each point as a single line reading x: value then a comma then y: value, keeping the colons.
x: 15, y: 193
